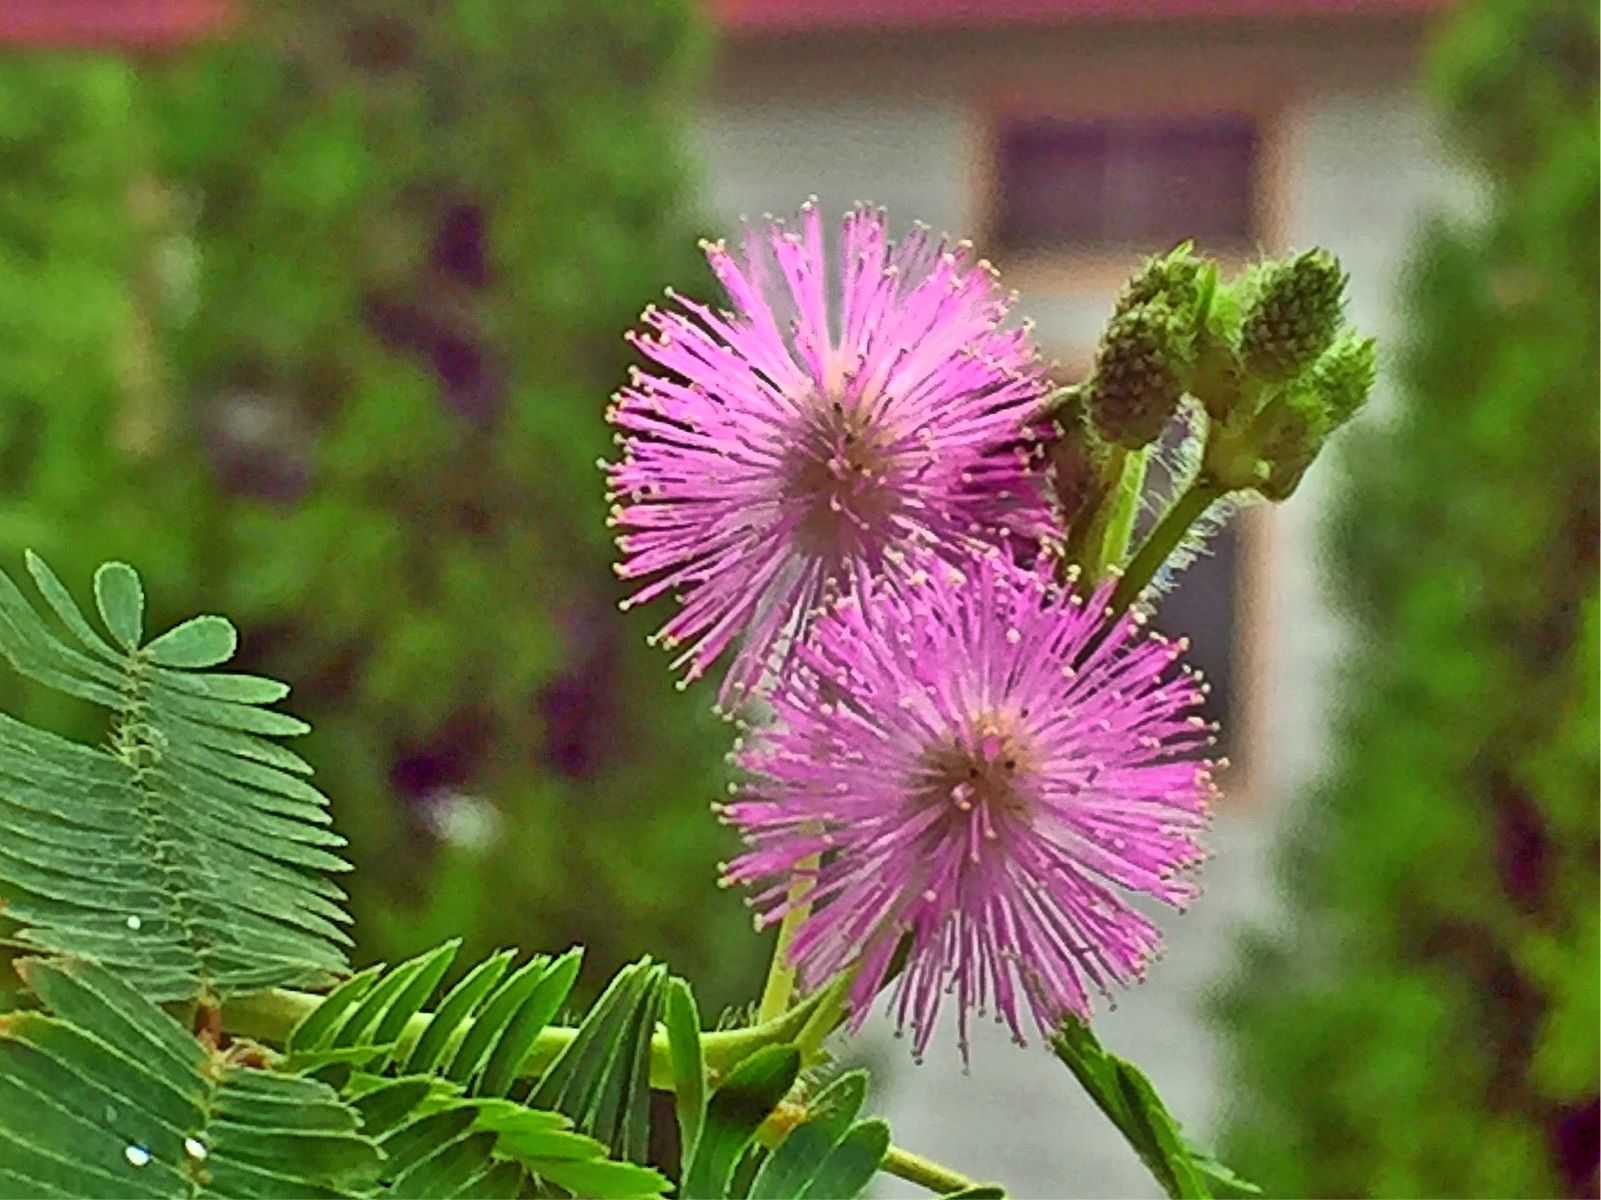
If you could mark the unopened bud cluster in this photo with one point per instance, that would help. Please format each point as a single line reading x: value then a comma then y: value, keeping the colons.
x: 1265, y: 368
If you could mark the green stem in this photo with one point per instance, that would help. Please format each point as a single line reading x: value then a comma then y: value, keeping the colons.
x: 1164, y: 539
x: 1108, y: 538
x: 924, y: 1172
x: 780, y: 983
x: 1125, y: 508
x: 827, y: 1014
x: 269, y: 1016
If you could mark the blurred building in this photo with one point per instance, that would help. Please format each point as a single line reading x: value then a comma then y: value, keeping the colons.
x: 131, y: 25
x: 1067, y: 138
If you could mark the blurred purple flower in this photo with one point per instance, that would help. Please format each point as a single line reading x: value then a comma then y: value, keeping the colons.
x: 795, y: 448
x: 974, y: 760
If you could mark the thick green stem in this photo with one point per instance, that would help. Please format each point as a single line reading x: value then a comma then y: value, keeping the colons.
x: 1189, y: 508
x: 269, y: 1016
x: 914, y: 1168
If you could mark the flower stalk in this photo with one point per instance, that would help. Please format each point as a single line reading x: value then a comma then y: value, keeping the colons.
x: 1185, y: 511
x: 780, y: 982
x: 925, y: 1172
x: 1114, y: 524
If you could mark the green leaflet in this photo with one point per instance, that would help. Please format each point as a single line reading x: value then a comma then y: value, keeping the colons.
x: 602, y: 1079
x: 1129, y: 1101
x: 319, y: 1026
x: 190, y: 856
x: 446, y: 1125
x: 850, y: 1165
x: 737, y: 1109
x: 682, y: 1019
x: 121, y: 601
x: 830, y: 1115
x: 105, y: 1094
x: 198, y: 642
x: 830, y: 1153
x: 459, y: 1004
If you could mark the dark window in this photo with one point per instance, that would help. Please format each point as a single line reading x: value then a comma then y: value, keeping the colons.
x: 1204, y: 605
x: 1126, y: 183
x: 1204, y: 601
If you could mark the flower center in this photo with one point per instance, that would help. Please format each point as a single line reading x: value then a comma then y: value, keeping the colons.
x: 976, y: 778
x: 836, y: 479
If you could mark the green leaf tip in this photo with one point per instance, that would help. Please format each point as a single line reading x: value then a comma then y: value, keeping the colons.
x: 205, y: 641
x: 121, y: 600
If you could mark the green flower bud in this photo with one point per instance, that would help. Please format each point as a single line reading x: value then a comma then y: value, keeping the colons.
x: 1342, y: 378
x: 1175, y: 277
x: 1139, y: 374
x: 1295, y: 309
x: 1300, y: 428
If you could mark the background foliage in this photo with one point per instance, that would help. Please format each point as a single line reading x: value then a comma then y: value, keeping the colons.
x: 319, y: 322
x: 1427, y: 1025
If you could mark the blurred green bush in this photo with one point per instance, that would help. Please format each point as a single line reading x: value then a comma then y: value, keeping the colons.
x: 317, y: 325
x: 1426, y: 1026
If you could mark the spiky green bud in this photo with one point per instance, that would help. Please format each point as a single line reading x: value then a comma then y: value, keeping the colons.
x: 1175, y: 277
x: 1140, y: 372
x: 1300, y: 428
x: 1343, y: 376
x: 1296, y: 306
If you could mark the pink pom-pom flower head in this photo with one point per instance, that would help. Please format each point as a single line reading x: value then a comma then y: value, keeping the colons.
x: 818, y: 435
x: 976, y: 764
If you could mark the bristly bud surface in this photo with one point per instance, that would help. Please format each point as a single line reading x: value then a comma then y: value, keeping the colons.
x: 1175, y: 277
x: 1140, y: 373
x: 1296, y: 307
x: 1343, y: 377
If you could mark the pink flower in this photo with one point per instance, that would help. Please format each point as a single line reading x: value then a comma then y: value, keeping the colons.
x: 815, y: 437
x: 978, y: 764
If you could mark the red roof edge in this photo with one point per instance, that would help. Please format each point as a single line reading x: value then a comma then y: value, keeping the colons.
x: 138, y: 24
x: 804, y: 16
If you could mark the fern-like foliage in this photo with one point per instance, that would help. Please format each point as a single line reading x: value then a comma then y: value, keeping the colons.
x: 187, y: 854
x: 107, y: 1095
x: 458, y: 1098
x: 481, y: 1084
